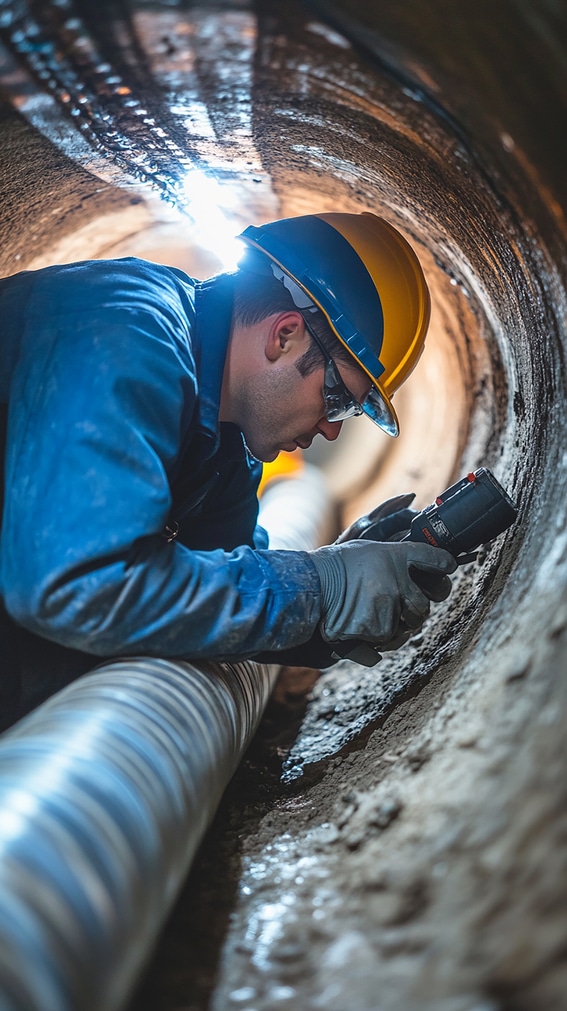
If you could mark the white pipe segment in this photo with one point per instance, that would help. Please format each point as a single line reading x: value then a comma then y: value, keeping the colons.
x: 106, y: 791
x: 299, y: 513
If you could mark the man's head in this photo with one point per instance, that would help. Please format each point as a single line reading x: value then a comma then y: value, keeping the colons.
x: 275, y: 386
x: 368, y: 283
x: 342, y: 299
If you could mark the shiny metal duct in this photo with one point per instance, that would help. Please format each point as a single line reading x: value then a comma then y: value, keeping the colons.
x: 105, y: 793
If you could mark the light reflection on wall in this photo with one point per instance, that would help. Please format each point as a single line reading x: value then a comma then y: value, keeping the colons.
x: 209, y: 204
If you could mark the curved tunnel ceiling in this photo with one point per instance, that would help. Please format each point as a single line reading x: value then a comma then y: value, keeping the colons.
x: 450, y: 123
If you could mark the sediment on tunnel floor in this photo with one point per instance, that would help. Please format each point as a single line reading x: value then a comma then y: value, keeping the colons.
x: 415, y: 852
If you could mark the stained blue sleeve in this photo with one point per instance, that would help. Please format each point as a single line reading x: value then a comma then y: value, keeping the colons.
x: 100, y: 402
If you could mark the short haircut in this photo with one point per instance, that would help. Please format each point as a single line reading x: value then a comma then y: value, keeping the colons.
x: 259, y: 295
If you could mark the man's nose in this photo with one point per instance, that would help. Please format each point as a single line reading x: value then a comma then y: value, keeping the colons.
x: 330, y: 430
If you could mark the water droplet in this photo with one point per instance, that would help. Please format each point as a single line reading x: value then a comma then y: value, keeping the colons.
x: 281, y: 993
x: 244, y: 993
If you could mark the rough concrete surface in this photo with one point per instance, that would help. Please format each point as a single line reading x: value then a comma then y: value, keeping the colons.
x: 396, y: 837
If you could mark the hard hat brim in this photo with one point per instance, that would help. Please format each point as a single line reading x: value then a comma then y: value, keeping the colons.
x: 378, y: 407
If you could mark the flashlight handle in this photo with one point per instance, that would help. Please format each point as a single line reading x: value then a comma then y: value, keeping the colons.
x: 471, y: 512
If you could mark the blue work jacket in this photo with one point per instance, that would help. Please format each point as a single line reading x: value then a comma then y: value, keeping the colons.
x: 112, y: 374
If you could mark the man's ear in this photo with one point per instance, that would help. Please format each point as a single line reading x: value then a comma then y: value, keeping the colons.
x: 287, y: 334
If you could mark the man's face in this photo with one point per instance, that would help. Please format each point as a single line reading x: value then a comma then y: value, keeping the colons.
x: 286, y: 410
x: 265, y: 395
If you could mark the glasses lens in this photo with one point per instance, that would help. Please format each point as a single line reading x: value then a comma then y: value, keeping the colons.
x: 339, y: 401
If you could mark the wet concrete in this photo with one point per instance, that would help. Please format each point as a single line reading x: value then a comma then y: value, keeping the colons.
x: 410, y: 856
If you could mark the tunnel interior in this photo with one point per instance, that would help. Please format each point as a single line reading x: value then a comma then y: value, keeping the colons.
x: 393, y: 837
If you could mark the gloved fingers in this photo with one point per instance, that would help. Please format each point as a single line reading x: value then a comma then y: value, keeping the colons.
x: 385, y: 620
x: 399, y: 535
x: 391, y: 505
x: 392, y: 527
x: 429, y: 559
x: 401, y: 637
x: 415, y: 609
x: 376, y: 620
x: 353, y: 531
x: 430, y: 571
x: 435, y: 586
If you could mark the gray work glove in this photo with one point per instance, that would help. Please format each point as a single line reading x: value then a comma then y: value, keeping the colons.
x: 392, y: 518
x: 367, y: 589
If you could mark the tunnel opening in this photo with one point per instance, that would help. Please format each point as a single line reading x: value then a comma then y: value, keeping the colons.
x: 414, y: 851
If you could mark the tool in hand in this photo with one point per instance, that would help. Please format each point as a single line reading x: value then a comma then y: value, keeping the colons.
x: 470, y: 513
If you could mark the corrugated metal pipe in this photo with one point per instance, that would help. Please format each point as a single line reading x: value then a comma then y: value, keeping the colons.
x: 106, y: 791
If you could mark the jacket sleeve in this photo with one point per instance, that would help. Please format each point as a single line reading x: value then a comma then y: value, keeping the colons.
x: 97, y: 417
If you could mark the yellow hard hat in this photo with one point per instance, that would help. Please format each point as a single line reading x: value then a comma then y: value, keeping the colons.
x: 366, y: 279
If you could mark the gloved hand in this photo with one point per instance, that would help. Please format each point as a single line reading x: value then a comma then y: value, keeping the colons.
x: 367, y: 589
x: 314, y: 653
x: 392, y: 516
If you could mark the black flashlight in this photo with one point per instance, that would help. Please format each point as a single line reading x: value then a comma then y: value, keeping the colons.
x: 471, y: 512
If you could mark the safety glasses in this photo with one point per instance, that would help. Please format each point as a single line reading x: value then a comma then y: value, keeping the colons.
x: 339, y: 401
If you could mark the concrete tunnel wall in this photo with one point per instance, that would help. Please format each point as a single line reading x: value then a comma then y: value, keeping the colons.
x: 414, y: 859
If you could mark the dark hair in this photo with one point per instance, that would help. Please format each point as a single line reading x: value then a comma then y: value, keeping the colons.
x: 258, y: 295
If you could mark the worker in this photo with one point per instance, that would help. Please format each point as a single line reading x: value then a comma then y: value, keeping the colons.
x: 138, y: 405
